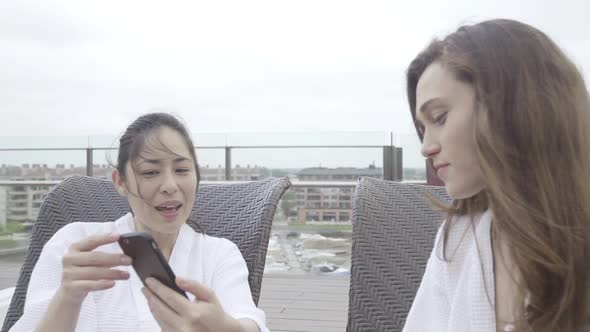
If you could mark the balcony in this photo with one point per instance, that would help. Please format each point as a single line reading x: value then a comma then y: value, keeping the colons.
x: 15, y: 210
x: 17, y: 198
x: 305, y: 285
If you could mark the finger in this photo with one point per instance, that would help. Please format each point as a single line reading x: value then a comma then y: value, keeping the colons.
x: 95, y: 258
x: 201, y: 292
x: 167, y: 295
x: 162, y: 312
x: 90, y: 285
x: 94, y: 273
x: 94, y: 241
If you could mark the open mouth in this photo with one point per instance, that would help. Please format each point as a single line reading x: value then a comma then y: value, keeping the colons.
x: 168, y: 207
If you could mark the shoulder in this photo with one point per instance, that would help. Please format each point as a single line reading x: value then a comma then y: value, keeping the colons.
x: 464, y: 231
x: 222, y: 252
x: 466, y: 241
x: 218, y: 243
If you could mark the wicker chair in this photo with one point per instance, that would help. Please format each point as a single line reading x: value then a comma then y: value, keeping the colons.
x: 240, y: 212
x: 394, y: 227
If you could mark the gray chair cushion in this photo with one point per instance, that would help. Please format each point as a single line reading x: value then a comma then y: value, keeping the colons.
x: 241, y: 212
x: 394, y: 228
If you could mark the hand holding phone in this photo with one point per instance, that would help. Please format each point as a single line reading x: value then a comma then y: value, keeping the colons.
x: 77, y: 282
x: 148, y: 260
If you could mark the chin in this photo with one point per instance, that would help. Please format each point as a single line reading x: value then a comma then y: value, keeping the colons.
x: 461, y: 192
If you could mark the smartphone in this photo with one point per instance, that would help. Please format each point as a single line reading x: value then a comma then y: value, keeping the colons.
x: 148, y: 260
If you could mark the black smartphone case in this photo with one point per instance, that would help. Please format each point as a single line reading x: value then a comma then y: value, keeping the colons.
x: 148, y: 260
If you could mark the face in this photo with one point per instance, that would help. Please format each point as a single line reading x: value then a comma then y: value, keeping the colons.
x: 160, y: 183
x: 445, y: 110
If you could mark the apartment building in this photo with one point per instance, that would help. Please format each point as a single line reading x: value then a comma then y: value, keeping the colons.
x: 238, y: 173
x: 329, y: 204
x: 22, y: 202
x: 3, y: 204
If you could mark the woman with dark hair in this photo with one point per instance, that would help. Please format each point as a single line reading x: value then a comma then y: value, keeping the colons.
x: 83, y: 281
x: 504, y: 119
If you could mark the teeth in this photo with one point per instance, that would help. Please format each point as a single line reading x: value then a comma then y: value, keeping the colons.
x: 167, y: 208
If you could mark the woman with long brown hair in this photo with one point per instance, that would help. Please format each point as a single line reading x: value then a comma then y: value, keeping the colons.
x: 504, y: 119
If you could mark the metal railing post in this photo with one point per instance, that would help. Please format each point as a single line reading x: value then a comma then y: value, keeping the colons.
x: 227, y: 163
x: 398, y: 164
x: 388, y: 155
x: 393, y: 169
x: 89, y: 162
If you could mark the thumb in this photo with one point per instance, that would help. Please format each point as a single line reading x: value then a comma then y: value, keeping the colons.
x: 200, y: 292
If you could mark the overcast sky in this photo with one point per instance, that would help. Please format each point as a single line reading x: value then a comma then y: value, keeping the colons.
x: 79, y: 68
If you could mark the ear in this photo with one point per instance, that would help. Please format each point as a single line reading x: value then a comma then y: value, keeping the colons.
x: 119, y: 183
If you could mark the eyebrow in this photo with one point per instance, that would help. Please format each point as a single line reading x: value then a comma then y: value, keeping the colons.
x: 424, y: 108
x: 428, y: 104
x: 157, y: 161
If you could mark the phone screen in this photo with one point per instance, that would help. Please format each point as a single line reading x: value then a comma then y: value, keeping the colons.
x: 148, y: 260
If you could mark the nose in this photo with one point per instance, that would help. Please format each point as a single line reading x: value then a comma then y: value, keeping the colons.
x: 430, y: 146
x: 169, y: 184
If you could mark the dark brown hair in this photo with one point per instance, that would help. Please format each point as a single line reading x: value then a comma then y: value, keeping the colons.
x: 533, y: 147
x: 136, y: 135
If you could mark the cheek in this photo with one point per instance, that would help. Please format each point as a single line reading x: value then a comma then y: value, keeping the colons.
x: 190, y: 193
x: 468, y: 185
x: 189, y: 186
x: 140, y: 209
x: 459, y: 142
x: 145, y: 188
x: 143, y: 195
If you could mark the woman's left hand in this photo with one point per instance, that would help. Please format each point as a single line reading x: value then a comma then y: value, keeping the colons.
x: 176, y: 313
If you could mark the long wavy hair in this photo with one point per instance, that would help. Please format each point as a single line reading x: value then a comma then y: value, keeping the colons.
x: 532, y: 135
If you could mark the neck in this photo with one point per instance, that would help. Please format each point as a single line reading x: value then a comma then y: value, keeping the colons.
x: 165, y: 241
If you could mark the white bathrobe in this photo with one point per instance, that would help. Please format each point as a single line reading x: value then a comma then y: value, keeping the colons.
x: 454, y: 296
x: 217, y: 263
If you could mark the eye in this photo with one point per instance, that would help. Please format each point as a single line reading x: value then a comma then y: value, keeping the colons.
x: 419, y: 127
x: 149, y: 173
x: 183, y: 170
x: 440, y: 119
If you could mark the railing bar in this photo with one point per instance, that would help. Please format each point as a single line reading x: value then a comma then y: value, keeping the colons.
x: 295, y: 184
x: 217, y: 147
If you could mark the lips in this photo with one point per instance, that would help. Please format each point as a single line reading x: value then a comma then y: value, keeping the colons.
x: 439, y: 166
x: 440, y: 169
x: 169, y: 206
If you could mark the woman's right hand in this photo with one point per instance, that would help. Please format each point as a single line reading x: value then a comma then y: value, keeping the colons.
x: 86, y: 270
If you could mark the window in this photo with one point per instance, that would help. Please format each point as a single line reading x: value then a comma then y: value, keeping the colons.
x: 312, y: 216
x: 329, y: 216
x: 344, y: 216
